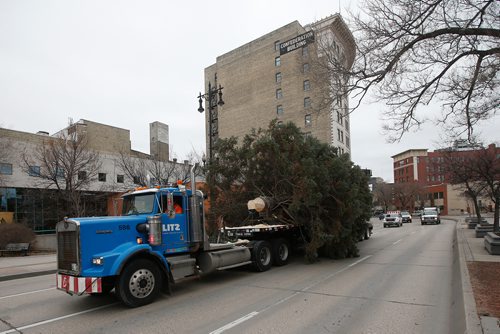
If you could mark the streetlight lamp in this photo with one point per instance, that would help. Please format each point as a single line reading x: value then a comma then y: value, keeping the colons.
x: 214, y: 98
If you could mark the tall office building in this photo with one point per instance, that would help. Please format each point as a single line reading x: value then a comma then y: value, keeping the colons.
x: 272, y: 77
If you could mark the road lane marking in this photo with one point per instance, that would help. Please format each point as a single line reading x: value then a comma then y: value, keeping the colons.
x: 397, y: 242
x: 282, y: 300
x: 26, y: 293
x: 234, y: 323
x: 359, y: 261
x: 17, y: 329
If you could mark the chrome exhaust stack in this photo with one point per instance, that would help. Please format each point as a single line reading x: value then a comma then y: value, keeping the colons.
x: 196, y: 228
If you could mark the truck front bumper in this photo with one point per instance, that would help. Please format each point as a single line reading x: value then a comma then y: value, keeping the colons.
x: 78, y: 285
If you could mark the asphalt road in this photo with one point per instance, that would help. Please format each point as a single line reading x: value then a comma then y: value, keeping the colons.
x: 401, y: 283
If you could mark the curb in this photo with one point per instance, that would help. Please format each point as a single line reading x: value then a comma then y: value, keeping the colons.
x: 472, y: 322
x: 25, y: 275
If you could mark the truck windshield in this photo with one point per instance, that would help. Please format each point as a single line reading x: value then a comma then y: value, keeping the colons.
x: 430, y: 212
x: 137, y: 204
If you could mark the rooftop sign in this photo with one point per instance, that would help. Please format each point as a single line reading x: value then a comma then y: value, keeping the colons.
x: 297, y: 42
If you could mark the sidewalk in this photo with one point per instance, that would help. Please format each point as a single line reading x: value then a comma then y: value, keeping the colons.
x: 477, y: 288
x: 26, y: 266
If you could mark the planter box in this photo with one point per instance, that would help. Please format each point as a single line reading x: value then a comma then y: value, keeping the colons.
x: 492, y: 243
x: 482, y: 229
x: 473, y: 221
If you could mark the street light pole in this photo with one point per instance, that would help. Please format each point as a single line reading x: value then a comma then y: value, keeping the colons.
x: 214, y: 98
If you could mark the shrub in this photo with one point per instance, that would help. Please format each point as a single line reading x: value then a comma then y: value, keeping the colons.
x: 15, y: 233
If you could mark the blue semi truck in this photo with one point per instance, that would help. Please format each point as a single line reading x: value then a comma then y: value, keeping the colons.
x: 160, y: 239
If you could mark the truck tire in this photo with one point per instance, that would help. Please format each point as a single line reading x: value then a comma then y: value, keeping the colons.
x: 281, y: 252
x: 139, y: 283
x: 262, y: 255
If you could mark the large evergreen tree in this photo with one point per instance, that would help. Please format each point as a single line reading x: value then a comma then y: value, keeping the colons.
x: 310, y: 184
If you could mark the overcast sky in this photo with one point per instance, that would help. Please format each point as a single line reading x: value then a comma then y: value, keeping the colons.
x: 129, y: 63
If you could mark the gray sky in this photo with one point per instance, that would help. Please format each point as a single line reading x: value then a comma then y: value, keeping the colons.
x: 129, y: 63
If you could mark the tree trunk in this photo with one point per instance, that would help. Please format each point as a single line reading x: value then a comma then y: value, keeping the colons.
x: 496, y: 226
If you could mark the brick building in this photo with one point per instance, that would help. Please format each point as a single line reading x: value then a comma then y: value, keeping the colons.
x: 270, y: 78
x: 429, y: 171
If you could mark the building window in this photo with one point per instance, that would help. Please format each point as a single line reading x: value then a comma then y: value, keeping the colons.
x: 60, y: 172
x: 120, y: 178
x: 277, y: 61
x: 340, y: 118
x: 307, y: 85
x: 307, y: 102
x: 308, y: 120
x: 347, y: 124
x: 278, y: 77
x: 305, y: 51
x: 277, y: 46
x: 34, y: 171
x: 279, y: 110
x: 82, y: 175
x: 347, y: 141
x: 338, y: 134
x: 137, y: 180
x: 5, y: 169
x: 342, y: 137
x: 279, y: 94
x: 305, y: 68
x: 102, y: 177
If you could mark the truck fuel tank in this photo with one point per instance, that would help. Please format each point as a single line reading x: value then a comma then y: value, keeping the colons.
x: 232, y: 257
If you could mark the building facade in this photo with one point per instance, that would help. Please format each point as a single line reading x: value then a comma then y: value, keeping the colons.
x: 429, y: 171
x: 26, y: 197
x: 271, y: 78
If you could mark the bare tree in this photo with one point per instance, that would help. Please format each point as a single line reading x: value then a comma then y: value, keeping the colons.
x: 413, y: 53
x: 459, y: 169
x: 65, y: 163
x: 383, y: 192
x: 147, y: 170
x: 406, y: 194
x: 486, y: 167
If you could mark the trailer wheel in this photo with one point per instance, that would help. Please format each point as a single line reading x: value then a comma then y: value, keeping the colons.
x: 262, y: 255
x: 281, y: 252
x: 139, y: 284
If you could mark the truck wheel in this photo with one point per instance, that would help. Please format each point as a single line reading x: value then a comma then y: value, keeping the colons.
x: 262, y: 255
x: 139, y: 284
x: 281, y: 252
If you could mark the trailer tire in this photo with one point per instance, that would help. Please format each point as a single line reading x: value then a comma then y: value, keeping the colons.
x: 139, y: 283
x: 281, y: 252
x: 262, y: 255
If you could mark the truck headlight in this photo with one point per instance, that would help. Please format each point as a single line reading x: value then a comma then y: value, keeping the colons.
x: 98, y: 261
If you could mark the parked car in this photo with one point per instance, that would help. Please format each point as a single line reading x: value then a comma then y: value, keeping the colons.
x: 406, y: 216
x: 393, y: 219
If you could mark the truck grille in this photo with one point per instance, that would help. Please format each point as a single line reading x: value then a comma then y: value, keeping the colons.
x: 68, y: 259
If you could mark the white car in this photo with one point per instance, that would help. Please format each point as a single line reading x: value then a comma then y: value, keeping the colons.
x: 406, y: 216
x: 430, y: 216
x: 393, y: 219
